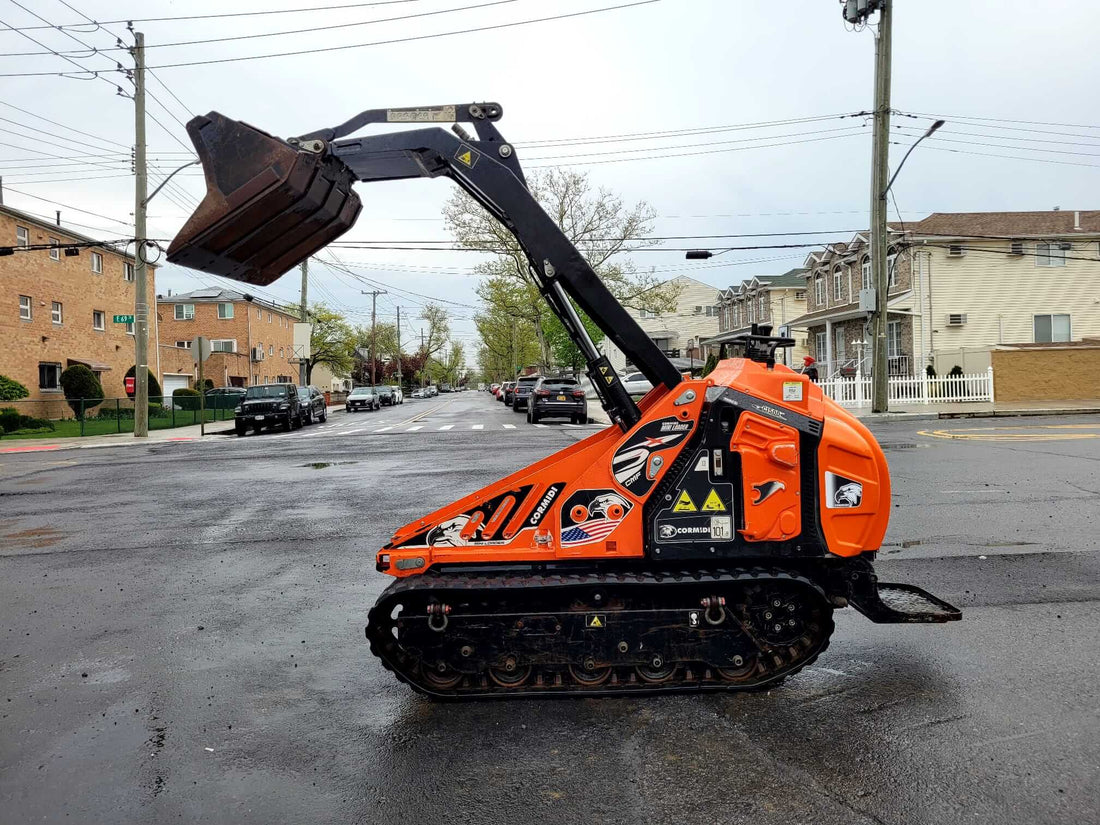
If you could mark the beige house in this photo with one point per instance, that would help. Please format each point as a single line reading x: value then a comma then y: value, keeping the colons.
x: 678, y: 333
x: 775, y: 300
x: 324, y: 379
x: 960, y: 285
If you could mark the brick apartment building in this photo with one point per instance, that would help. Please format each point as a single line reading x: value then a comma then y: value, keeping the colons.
x: 58, y: 304
x: 252, y: 340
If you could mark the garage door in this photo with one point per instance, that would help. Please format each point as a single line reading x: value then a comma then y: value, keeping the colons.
x: 175, y: 382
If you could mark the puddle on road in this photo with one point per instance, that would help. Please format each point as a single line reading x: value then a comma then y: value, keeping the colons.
x: 320, y: 465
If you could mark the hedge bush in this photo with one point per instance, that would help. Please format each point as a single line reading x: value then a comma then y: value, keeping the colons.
x: 11, y: 390
x: 154, y: 387
x: 82, y: 389
x: 186, y: 399
x: 11, y: 420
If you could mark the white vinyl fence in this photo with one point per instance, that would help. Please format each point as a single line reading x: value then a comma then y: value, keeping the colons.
x: 943, y: 389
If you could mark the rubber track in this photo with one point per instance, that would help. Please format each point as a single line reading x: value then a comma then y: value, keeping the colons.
x: 380, y: 645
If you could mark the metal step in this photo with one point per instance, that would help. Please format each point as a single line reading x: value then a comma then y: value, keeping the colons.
x: 892, y: 603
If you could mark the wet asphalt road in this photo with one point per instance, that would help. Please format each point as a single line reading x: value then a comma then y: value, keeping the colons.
x: 182, y: 641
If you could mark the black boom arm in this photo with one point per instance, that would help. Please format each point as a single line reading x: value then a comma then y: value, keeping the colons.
x: 272, y: 203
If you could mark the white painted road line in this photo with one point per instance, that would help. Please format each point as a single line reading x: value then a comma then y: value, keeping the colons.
x: 509, y: 426
x: 446, y: 426
x: 356, y: 430
x: 544, y: 426
x: 478, y: 427
x: 413, y: 429
x: 383, y: 429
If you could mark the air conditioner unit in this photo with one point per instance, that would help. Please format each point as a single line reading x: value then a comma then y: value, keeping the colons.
x: 257, y: 353
x: 956, y: 319
x: 1065, y: 245
x: 955, y: 251
x: 1017, y: 248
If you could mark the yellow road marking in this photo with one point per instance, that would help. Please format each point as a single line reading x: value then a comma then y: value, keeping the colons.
x: 1020, y: 432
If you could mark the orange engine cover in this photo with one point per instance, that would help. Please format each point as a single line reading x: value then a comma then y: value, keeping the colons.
x: 811, y: 476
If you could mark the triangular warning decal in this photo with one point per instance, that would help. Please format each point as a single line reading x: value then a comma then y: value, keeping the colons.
x: 713, y: 504
x: 466, y: 157
x: 684, y: 504
x: 594, y: 620
x: 610, y: 379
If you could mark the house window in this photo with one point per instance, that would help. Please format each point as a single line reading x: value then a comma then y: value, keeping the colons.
x: 259, y: 314
x: 1052, y: 328
x: 800, y: 295
x: 819, y: 285
x: 185, y: 312
x: 819, y: 346
x: 763, y: 306
x: 225, y: 311
x: 269, y: 317
x: 55, y: 312
x: 865, y: 273
x: 55, y: 249
x: 892, y: 270
x: 129, y: 328
x: 183, y: 344
x: 281, y: 353
x: 225, y: 345
x: 97, y: 263
x: 22, y: 236
x: 645, y: 313
x: 893, y: 339
x: 98, y: 319
x: 49, y: 376
x: 127, y: 272
x: 837, y: 286
x: 271, y: 351
x: 24, y: 307
x: 1049, y: 254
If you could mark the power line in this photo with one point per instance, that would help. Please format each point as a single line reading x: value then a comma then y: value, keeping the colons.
x: 1006, y: 157
x: 63, y: 126
x: 290, y: 32
x: 217, y: 16
x: 391, y: 41
x: 95, y: 75
x: 67, y: 206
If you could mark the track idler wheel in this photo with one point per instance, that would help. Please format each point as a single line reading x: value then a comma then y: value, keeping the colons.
x: 657, y: 671
x: 589, y: 674
x: 440, y: 676
x: 510, y: 673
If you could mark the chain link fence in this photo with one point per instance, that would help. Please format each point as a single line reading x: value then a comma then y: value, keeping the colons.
x: 65, y: 418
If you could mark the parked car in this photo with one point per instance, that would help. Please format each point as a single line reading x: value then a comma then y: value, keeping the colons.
x: 385, y: 395
x: 522, y: 392
x: 506, y: 395
x: 494, y: 388
x: 224, y: 398
x: 445, y: 388
x: 362, y: 398
x: 398, y: 395
x: 431, y: 392
x: 313, y: 406
x: 553, y: 397
x: 268, y: 405
x: 636, y: 384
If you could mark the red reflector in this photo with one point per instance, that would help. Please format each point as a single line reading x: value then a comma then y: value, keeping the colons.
x: 542, y: 394
x: 578, y: 394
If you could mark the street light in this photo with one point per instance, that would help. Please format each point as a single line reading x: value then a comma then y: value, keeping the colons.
x: 931, y: 129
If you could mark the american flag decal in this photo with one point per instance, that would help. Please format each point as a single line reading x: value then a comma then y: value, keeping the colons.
x: 593, y: 530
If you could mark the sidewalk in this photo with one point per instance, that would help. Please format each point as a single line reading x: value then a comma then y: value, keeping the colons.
x: 180, y: 434
x: 927, y: 412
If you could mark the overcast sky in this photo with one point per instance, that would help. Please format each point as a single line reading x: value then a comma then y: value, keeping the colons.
x: 1014, y: 79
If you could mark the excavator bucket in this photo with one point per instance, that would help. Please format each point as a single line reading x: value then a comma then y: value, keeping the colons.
x: 268, y: 206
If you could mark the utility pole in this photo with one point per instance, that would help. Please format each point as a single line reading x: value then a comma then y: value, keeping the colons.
x: 515, y: 353
x: 141, y: 298
x: 425, y: 363
x: 858, y: 12
x: 373, y: 306
x: 399, y: 346
x: 302, y: 314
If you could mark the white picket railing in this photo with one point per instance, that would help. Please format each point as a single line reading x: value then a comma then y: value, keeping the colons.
x: 943, y: 389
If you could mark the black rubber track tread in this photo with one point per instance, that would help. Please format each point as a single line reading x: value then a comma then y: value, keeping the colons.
x: 463, y: 581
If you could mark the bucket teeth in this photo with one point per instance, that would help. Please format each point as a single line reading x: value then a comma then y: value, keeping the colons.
x: 268, y: 206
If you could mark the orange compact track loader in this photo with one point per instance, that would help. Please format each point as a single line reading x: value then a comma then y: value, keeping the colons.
x: 700, y: 543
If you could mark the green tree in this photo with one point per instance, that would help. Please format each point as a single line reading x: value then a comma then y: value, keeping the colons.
x: 331, y: 341
x: 564, y: 351
x: 82, y: 389
x: 597, y: 222
x: 712, y: 362
x: 11, y: 390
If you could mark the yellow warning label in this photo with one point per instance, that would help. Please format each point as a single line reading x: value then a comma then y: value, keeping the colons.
x: 684, y: 504
x: 610, y: 379
x: 603, y: 370
x: 594, y: 620
x: 713, y: 504
x: 466, y: 157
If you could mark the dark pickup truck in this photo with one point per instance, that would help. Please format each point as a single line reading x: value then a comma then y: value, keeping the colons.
x: 268, y: 405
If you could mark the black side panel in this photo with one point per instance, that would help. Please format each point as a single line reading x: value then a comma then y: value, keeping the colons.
x: 679, y: 524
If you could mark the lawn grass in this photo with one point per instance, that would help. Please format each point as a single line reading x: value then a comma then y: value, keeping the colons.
x: 70, y: 427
